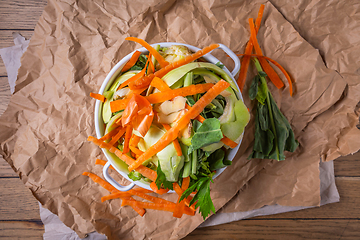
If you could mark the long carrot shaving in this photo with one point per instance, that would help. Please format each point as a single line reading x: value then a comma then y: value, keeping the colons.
x: 277, y: 65
x: 97, y: 96
x: 185, y: 183
x: 164, y: 96
x: 102, y: 162
x: 132, y: 61
x: 163, y: 63
x: 147, y: 172
x: 156, y: 190
x: 273, y: 76
x: 172, y: 134
x: 135, y: 139
x: 150, y: 198
x: 245, y: 61
x: 187, y: 200
x: 181, y: 204
x: 147, y: 205
x: 128, y: 134
x: 136, y: 150
x: 160, y: 84
x: 117, y: 136
x: 151, y: 68
x: 146, y: 80
x: 175, y: 142
x: 142, y: 190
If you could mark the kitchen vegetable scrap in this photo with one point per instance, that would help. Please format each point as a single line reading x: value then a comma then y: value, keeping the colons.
x: 273, y: 133
x: 172, y: 118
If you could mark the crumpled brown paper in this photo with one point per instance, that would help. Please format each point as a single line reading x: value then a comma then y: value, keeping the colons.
x: 74, y: 46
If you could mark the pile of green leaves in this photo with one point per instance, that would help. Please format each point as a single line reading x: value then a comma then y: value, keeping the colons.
x: 273, y: 133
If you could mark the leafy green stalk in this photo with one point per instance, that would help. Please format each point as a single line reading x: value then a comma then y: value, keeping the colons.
x: 273, y: 133
x: 161, y: 179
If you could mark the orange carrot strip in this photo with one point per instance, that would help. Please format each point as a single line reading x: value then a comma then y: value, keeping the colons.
x: 145, y: 171
x: 151, y: 66
x: 163, y: 63
x: 155, y: 206
x: 277, y: 65
x: 187, y: 200
x: 97, y: 96
x: 245, y: 61
x: 111, y: 133
x: 140, y: 210
x: 185, y: 183
x: 181, y: 204
x: 127, y: 138
x: 117, y: 136
x: 115, y: 195
x: 150, y: 198
x: 142, y: 190
x: 175, y: 142
x: 101, y: 182
x: 132, y: 61
x: 160, y: 191
x: 146, y: 80
x: 273, y: 76
x: 172, y: 134
x: 136, y: 150
x: 135, y: 139
x: 164, y: 96
x: 160, y: 84
x: 137, y: 76
x: 102, y: 162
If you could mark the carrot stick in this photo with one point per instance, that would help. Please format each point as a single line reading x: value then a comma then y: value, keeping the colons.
x: 185, y: 183
x: 128, y: 134
x: 97, y: 96
x: 142, y: 190
x: 146, y: 80
x: 245, y: 61
x: 151, y: 68
x: 140, y: 210
x: 135, y: 139
x: 150, y: 198
x: 175, y: 142
x: 163, y: 63
x: 115, y: 195
x: 187, y: 200
x: 101, y: 182
x: 277, y: 65
x: 136, y: 150
x: 160, y: 191
x: 111, y: 133
x: 137, y: 76
x: 147, y: 172
x: 164, y: 96
x: 147, y: 205
x: 132, y: 61
x: 102, y: 162
x: 181, y: 204
x: 117, y: 136
x: 275, y: 79
x: 172, y: 134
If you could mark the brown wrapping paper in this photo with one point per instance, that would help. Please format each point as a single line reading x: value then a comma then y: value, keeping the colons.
x: 75, y: 44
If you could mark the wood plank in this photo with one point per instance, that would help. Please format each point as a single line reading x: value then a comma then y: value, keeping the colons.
x: 7, y: 40
x: 30, y: 230
x: 19, y: 14
x: 5, y: 169
x: 16, y: 201
x: 348, y: 165
x: 281, y: 229
x: 4, y: 94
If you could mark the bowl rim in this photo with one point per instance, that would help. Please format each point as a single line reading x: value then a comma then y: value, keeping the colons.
x: 111, y: 76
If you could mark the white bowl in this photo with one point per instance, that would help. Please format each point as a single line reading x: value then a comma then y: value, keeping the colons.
x: 119, y: 165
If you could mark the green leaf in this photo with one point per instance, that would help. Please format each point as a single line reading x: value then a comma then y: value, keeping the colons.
x: 253, y: 90
x: 161, y: 179
x: 209, y: 132
x: 220, y: 65
x: 217, y: 160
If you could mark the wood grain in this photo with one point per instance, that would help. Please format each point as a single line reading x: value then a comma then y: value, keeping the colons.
x: 17, y: 14
x: 287, y: 229
x: 29, y: 230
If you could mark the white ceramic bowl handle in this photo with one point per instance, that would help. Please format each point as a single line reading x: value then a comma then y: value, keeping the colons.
x: 233, y: 57
x: 113, y: 182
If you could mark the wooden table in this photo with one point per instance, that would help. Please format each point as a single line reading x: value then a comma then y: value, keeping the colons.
x: 19, y: 210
